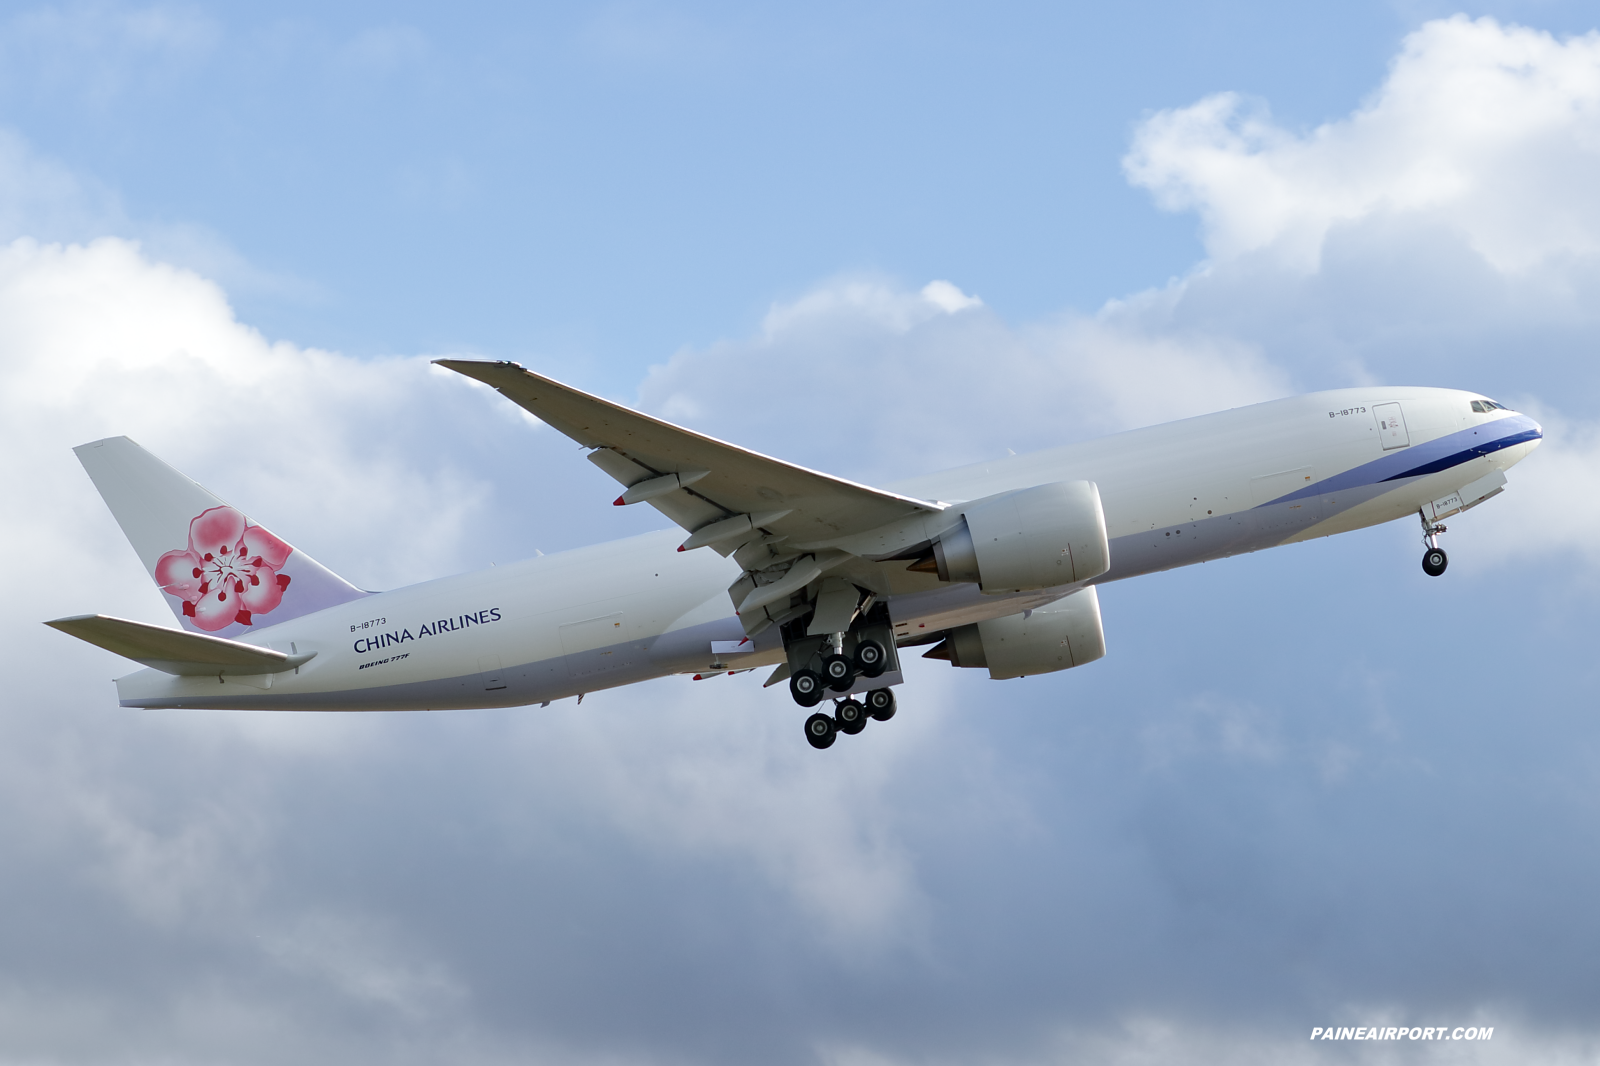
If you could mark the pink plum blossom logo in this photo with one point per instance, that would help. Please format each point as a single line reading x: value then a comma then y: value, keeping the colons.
x: 229, y: 572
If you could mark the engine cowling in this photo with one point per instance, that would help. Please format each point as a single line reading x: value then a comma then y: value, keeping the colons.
x: 1037, y: 538
x: 1059, y: 636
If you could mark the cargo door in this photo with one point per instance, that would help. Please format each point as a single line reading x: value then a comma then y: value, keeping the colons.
x: 1391, y: 426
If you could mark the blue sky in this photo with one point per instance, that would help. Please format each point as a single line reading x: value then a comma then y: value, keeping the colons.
x: 503, y: 178
x: 1306, y: 787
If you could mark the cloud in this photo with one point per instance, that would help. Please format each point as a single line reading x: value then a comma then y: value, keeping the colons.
x: 178, y: 829
x: 102, y: 341
x: 98, y: 52
x: 1305, y: 787
x: 1490, y: 130
x: 44, y: 200
x: 1446, y: 232
x: 880, y: 381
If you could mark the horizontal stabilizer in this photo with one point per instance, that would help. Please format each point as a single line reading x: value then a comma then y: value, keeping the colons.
x: 174, y: 651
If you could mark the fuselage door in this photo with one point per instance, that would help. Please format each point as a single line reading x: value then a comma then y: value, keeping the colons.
x: 594, y: 645
x: 1391, y: 426
x: 490, y: 671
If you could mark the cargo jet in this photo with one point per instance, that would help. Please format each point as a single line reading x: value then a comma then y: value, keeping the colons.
x: 825, y: 582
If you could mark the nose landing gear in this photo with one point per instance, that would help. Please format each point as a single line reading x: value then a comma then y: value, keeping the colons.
x: 1434, y: 560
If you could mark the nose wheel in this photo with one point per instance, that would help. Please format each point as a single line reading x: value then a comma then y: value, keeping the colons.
x: 1434, y: 560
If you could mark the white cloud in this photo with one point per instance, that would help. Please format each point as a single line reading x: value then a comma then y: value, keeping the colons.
x: 468, y: 880
x: 1489, y: 129
x: 46, y: 201
x: 743, y: 789
x: 99, y: 51
x: 1446, y: 232
x: 948, y: 298
x: 100, y: 341
x: 867, y: 379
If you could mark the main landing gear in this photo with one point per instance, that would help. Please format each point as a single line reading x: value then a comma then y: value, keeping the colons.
x: 839, y: 673
x: 1434, y: 560
x: 854, y: 642
x: 849, y: 717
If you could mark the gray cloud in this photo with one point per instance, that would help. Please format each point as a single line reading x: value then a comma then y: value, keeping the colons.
x: 1308, y: 787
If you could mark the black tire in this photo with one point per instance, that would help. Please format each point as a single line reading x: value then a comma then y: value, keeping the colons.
x: 1434, y: 560
x: 851, y: 716
x: 806, y: 688
x: 871, y: 659
x: 880, y: 704
x: 838, y: 673
x: 820, y: 731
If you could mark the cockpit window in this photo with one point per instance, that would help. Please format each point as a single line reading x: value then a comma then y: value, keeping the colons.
x: 1483, y: 407
x: 1477, y: 406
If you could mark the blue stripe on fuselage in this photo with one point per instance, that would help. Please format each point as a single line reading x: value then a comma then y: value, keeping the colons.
x: 1442, y: 453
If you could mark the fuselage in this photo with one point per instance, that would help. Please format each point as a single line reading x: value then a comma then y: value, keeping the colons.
x: 594, y: 618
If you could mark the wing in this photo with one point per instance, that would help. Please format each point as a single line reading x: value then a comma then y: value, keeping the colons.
x: 175, y: 651
x: 723, y: 495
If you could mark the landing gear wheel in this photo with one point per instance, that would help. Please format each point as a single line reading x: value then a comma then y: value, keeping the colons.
x: 870, y: 658
x: 838, y: 673
x: 851, y: 716
x: 820, y: 731
x: 806, y: 688
x: 1434, y: 560
x: 880, y: 704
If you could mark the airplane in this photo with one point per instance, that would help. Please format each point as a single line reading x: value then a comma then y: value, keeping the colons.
x: 826, y: 581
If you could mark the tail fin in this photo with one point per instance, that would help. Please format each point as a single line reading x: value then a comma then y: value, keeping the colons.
x: 220, y: 572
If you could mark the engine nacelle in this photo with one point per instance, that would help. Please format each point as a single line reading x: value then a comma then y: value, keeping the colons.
x: 1064, y: 634
x: 1037, y: 538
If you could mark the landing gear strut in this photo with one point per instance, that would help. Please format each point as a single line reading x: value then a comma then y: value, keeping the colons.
x: 1434, y: 560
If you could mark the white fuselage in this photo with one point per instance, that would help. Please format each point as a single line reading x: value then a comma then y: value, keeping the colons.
x: 598, y: 617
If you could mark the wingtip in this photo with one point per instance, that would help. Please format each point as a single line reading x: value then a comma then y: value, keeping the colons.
x: 618, y: 502
x: 62, y: 623
x: 461, y: 366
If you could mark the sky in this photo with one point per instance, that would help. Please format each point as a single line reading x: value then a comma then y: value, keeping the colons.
x: 1306, y: 787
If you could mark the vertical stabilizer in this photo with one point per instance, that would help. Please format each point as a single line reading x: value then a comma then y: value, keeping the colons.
x: 220, y: 572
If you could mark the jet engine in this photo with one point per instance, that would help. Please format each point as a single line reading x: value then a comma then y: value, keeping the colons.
x: 1036, y: 538
x: 1062, y: 635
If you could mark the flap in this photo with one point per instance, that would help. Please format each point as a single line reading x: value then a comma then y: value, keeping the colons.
x: 174, y: 651
x: 715, y: 481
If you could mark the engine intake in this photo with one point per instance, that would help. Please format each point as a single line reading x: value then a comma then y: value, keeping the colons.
x: 1036, y: 538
